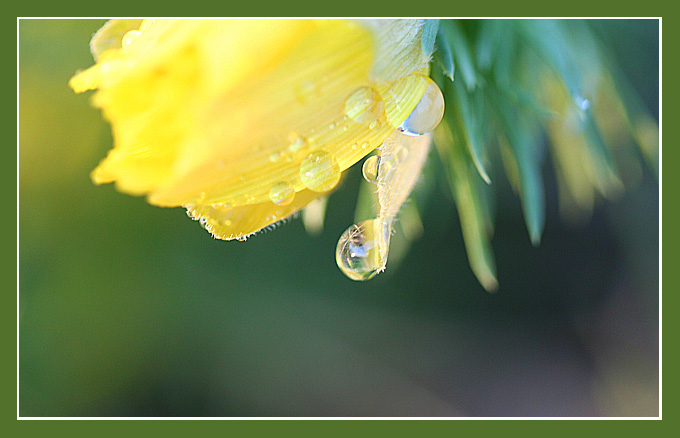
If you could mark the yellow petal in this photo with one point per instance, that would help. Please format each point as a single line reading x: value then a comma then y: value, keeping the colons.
x: 216, y: 112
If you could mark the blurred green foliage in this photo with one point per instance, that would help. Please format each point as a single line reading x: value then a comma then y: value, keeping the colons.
x: 127, y: 309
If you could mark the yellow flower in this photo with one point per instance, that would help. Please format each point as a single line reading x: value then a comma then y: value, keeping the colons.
x: 244, y: 122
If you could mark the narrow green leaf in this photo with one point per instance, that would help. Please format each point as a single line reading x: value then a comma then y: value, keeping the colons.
x: 607, y: 179
x: 521, y: 134
x: 430, y: 29
x: 466, y: 187
x: 453, y: 38
x: 468, y: 110
x: 549, y: 39
x: 444, y: 54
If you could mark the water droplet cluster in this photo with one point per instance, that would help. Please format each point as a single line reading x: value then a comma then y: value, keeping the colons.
x: 363, y: 248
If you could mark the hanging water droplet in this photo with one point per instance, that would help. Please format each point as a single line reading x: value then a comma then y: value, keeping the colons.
x: 319, y: 171
x: 282, y: 193
x: 370, y: 169
x: 129, y: 37
x: 358, y: 252
x: 364, y: 105
x: 428, y: 112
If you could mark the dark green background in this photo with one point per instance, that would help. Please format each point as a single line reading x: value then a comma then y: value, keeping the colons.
x: 128, y: 309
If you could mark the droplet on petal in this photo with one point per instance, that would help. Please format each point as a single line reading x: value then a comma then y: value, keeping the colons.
x: 129, y: 37
x: 282, y: 193
x: 319, y: 172
x: 364, y: 105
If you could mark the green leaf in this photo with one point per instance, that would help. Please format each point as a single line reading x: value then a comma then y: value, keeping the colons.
x: 522, y: 136
x: 453, y: 43
x: 467, y: 188
x: 468, y: 110
x: 430, y: 29
x: 444, y: 55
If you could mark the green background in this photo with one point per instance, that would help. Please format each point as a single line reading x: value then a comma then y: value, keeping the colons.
x: 128, y: 309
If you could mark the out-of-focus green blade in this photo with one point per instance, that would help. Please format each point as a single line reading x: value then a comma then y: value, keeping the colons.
x: 527, y: 150
x: 444, y: 54
x: 466, y: 186
x: 452, y: 41
x: 467, y: 109
x: 430, y: 29
x: 549, y: 39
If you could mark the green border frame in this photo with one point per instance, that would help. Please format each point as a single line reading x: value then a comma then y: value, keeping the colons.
x: 340, y: 427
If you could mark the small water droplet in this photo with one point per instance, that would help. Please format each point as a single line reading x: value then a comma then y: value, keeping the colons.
x: 319, y: 171
x: 331, y: 126
x: 358, y: 251
x: 365, y: 145
x: 200, y: 198
x: 364, y: 105
x: 274, y: 157
x: 370, y: 169
x: 226, y: 222
x: 428, y: 112
x: 129, y: 37
x: 146, y: 23
x: 282, y: 193
x: 297, y: 142
x: 345, y: 128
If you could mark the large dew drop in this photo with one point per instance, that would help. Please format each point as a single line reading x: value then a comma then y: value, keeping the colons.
x: 358, y: 253
x: 428, y: 112
x: 364, y: 105
x: 282, y: 193
x: 319, y: 172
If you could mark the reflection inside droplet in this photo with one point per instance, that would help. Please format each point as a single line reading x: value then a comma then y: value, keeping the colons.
x: 358, y: 253
x: 370, y: 168
x: 428, y: 112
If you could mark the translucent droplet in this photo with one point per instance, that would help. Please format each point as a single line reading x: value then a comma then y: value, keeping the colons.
x: 297, y: 142
x: 274, y: 157
x: 364, y: 105
x: 319, y: 171
x: 146, y: 23
x: 282, y: 193
x: 358, y: 251
x: 130, y: 36
x: 370, y: 168
x: 428, y: 112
